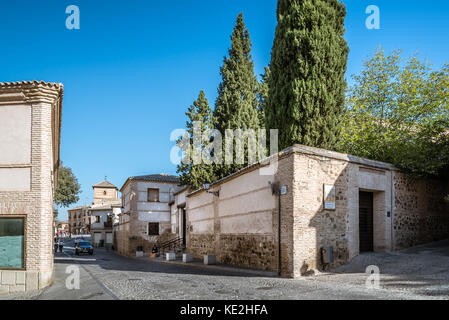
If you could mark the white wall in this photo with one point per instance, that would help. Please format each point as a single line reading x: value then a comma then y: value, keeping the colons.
x: 15, y: 134
x: 245, y: 206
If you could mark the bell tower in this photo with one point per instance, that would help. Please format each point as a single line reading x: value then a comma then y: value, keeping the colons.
x: 105, y: 192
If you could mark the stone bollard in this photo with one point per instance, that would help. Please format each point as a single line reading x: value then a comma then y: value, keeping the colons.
x: 187, y: 257
x: 210, y: 259
x: 170, y: 256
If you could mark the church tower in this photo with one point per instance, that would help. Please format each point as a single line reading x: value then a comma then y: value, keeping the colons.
x: 105, y: 192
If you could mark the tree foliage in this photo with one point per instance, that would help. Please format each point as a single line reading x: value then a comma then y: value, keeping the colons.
x: 68, y: 187
x: 191, y: 174
x: 237, y: 103
x: 308, y: 64
x: 262, y: 95
x: 398, y: 112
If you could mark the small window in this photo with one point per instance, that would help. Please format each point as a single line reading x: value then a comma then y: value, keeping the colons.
x: 153, y: 228
x: 104, y: 192
x: 153, y: 195
x: 97, y: 219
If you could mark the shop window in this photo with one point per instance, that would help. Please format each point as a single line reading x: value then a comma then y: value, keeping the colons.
x: 12, y: 241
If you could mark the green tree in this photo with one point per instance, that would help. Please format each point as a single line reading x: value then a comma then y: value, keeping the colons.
x: 68, y: 187
x: 191, y: 174
x: 237, y: 103
x: 398, y: 111
x: 308, y: 64
x: 262, y: 95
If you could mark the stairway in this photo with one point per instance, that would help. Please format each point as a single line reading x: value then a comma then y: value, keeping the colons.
x: 175, y: 245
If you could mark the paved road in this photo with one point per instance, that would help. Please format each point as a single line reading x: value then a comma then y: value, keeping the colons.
x: 106, y: 275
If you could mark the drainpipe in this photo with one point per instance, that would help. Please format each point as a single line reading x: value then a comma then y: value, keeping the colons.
x: 391, y: 211
x: 275, y: 189
x: 279, y: 232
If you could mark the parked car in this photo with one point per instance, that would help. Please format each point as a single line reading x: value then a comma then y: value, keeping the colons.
x: 84, y: 247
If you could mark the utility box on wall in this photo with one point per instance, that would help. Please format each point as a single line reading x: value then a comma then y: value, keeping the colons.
x: 327, y: 254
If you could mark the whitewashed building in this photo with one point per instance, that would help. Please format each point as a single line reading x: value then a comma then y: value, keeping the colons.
x: 146, y: 217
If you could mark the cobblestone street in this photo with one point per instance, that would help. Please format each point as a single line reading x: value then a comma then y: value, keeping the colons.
x: 106, y: 275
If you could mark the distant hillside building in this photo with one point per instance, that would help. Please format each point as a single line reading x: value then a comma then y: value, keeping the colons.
x: 30, y: 128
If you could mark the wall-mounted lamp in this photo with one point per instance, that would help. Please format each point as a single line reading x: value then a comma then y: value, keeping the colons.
x: 206, y: 187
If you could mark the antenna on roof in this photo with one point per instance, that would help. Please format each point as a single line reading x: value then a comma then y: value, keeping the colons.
x: 105, y: 178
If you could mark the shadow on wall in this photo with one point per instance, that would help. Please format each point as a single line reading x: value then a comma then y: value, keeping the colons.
x: 376, y: 210
x: 326, y: 231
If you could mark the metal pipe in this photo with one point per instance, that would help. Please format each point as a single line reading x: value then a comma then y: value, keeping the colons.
x: 279, y: 232
x: 391, y: 210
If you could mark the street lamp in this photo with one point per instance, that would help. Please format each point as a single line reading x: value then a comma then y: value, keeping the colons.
x: 206, y: 187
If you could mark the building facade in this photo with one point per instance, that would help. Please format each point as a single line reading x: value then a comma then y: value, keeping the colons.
x: 61, y: 229
x: 79, y: 220
x: 104, y: 213
x: 83, y: 220
x: 104, y: 217
x: 146, y: 217
x: 329, y: 207
x: 30, y: 127
x: 179, y: 215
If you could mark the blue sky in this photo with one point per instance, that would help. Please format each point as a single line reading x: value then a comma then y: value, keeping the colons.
x: 134, y: 66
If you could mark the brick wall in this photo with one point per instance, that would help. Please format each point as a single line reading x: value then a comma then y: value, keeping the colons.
x: 36, y: 205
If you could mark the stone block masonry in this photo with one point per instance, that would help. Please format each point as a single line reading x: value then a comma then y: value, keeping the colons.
x: 240, y: 225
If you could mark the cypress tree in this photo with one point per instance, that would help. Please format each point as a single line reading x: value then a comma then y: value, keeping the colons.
x: 191, y: 174
x: 308, y: 64
x: 263, y: 96
x: 236, y: 106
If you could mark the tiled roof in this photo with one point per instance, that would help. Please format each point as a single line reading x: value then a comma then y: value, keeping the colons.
x: 105, y: 206
x: 162, y: 177
x: 51, y: 85
x: 104, y: 184
x: 157, y: 177
x: 78, y: 208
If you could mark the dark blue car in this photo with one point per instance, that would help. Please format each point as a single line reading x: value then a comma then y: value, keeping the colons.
x: 84, y: 247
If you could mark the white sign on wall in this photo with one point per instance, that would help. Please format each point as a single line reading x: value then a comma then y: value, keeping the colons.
x: 329, y: 197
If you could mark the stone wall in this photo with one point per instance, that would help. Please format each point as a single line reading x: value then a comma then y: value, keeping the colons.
x: 234, y: 226
x: 421, y: 214
x: 315, y: 227
x: 240, y: 225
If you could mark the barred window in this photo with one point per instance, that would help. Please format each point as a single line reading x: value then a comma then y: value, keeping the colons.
x: 153, y: 195
x: 153, y: 228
